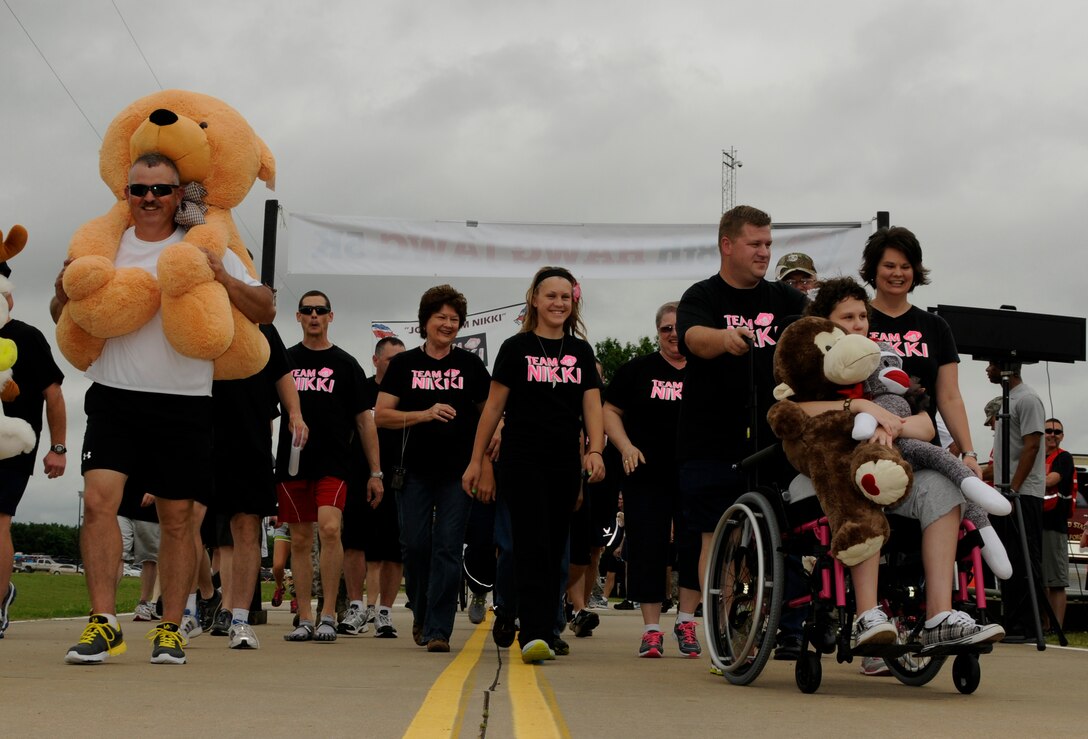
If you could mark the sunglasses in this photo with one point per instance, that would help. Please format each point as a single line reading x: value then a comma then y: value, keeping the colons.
x: 309, y: 310
x: 667, y: 329
x: 138, y: 191
x: 1058, y: 432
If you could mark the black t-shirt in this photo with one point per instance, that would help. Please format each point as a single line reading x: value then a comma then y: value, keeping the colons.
x: 243, y: 410
x: 33, y: 372
x: 649, y: 390
x: 715, y: 413
x: 547, y: 379
x: 1057, y: 519
x: 923, y: 340
x: 418, y: 381
x: 332, y: 392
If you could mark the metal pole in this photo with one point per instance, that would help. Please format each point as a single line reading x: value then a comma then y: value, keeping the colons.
x: 268, y: 247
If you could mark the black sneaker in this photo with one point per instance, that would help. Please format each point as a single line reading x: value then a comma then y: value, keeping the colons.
x: 560, y: 647
x: 168, y: 643
x: 99, y: 640
x: 5, y: 605
x: 206, y: 610
x: 221, y: 623
x: 788, y: 648
x: 504, y: 630
x: 584, y: 622
x: 624, y: 605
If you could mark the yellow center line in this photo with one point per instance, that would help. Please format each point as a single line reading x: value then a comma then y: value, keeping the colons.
x: 536, y: 711
x: 443, y: 710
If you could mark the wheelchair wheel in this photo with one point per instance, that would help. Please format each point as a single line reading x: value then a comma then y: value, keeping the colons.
x: 912, y: 668
x: 966, y: 673
x: 808, y: 672
x: 742, y: 590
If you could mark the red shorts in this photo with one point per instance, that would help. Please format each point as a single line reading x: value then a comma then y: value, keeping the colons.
x: 300, y: 499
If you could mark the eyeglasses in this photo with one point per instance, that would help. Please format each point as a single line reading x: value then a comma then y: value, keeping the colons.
x: 667, y: 329
x: 801, y: 284
x: 1057, y: 432
x: 138, y: 191
x: 309, y: 310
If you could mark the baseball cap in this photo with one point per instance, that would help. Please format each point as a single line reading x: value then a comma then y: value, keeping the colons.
x: 992, y: 409
x: 795, y: 261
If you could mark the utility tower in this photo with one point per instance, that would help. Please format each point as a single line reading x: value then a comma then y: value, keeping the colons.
x: 730, y: 165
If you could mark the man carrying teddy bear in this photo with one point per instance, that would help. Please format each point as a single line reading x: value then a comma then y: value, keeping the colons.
x: 149, y: 416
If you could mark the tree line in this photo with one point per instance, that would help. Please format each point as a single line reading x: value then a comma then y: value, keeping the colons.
x: 54, y: 539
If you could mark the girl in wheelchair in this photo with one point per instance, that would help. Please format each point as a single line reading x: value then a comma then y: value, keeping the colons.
x: 937, y: 508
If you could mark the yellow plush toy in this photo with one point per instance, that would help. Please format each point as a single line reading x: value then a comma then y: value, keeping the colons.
x: 16, y: 435
x: 213, y: 146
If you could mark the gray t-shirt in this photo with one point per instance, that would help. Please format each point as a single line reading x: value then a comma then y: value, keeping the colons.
x: 1027, y: 417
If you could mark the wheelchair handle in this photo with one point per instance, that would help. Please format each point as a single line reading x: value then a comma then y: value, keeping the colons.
x: 756, y: 460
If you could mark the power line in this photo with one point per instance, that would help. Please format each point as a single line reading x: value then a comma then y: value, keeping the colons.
x: 44, y: 59
x: 135, y: 43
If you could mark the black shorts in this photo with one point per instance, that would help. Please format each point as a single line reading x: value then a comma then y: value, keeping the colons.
x: 244, y: 488
x: 375, y: 531
x: 164, y: 440
x: 12, y: 487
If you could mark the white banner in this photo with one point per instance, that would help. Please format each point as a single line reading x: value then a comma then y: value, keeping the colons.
x: 482, y: 334
x: 355, y: 245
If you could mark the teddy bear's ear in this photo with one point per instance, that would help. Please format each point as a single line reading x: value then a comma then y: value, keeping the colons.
x: 267, y: 173
x: 783, y: 391
x: 13, y: 244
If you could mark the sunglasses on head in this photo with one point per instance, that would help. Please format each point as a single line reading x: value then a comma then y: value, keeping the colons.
x: 138, y: 191
x: 309, y: 310
x: 1059, y: 432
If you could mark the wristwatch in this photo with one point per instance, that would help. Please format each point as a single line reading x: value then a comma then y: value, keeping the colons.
x: 377, y: 475
x: 58, y: 449
x: 972, y: 455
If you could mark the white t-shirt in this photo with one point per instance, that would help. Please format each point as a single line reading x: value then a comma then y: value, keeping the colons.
x: 144, y: 360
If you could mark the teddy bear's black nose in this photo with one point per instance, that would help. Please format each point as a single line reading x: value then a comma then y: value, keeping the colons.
x: 163, y: 117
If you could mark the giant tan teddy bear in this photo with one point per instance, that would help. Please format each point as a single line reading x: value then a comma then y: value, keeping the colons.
x: 816, y: 360
x: 212, y: 145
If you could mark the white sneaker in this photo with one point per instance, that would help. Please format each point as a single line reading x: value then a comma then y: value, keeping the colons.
x: 190, y: 627
x: 242, y: 637
x: 144, y: 611
x: 370, y: 614
x: 873, y: 627
x: 354, y: 622
x: 384, y: 628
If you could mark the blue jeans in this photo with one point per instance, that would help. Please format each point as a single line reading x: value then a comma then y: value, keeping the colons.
x: 433, y: 515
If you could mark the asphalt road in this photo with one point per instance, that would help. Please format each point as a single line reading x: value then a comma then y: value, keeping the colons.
x: 366, y: 687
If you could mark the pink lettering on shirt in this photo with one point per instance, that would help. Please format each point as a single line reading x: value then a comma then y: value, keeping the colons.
x: 665, y: 390
x: 550, y: 369
x: 449, y: 379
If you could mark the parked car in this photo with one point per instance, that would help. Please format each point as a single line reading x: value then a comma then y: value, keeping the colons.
x: 65, y: 568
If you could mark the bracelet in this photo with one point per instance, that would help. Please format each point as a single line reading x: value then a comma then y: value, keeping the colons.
x: 594, y: 451
x: 972, y: 455
x: 846, y: 404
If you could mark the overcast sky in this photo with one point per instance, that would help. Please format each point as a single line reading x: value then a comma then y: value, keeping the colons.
x: 965, y: 120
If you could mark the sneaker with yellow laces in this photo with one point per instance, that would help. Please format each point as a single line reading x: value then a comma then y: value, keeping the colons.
x: 168, y: 643
x: 99, y: 640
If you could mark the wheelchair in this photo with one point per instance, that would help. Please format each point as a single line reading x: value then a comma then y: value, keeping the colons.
x: 769, y: 534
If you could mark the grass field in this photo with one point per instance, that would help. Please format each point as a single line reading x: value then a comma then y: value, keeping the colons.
x: 58, y: 596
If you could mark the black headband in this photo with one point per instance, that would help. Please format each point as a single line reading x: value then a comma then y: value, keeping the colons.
x: 553, y: 272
